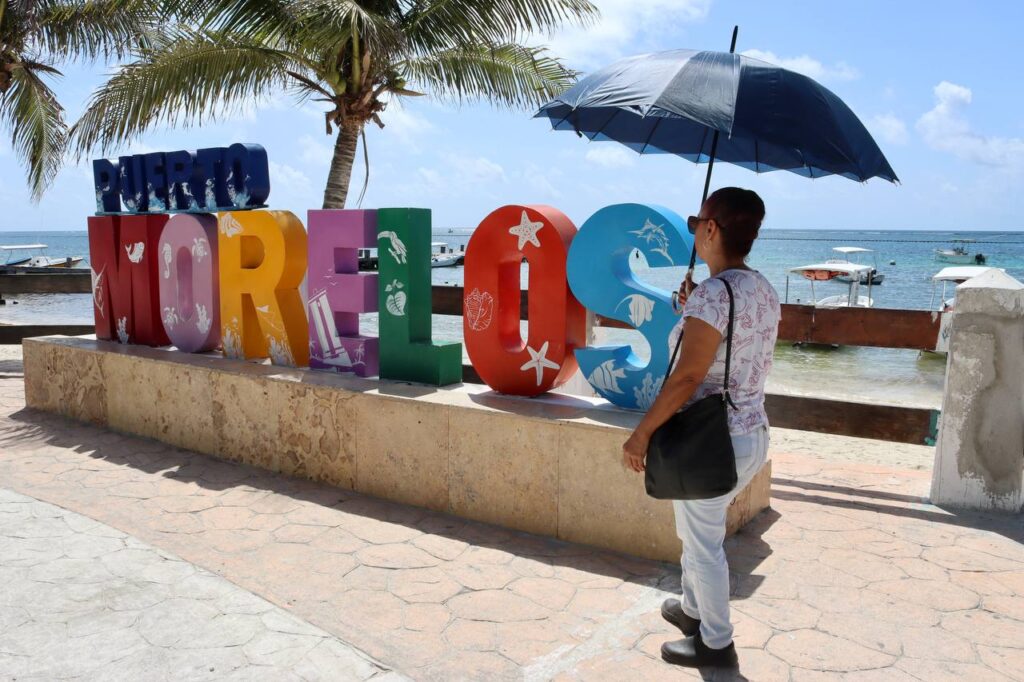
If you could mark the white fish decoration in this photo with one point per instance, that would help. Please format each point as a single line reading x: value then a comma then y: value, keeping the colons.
x: 203, y: 321
x: 397, y: 248
x: 395, y: 302
x: 647, y: 391
x: 98, y: 298
x: 641, y: 308
x: 135, y: 251
x: 605, y: 377
x: 228, y: 225
x: 166, y: 251
x: 122, y: 329
x: 654, y: 234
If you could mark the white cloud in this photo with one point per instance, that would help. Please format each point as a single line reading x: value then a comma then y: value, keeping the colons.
x: 314, y: 152
x: 288, y: 180
x: 620, y: 31
x: 946, y: 128
x: 404, y: 124
x: 808, y: 66
x: 610, y: 156
x: 455, y: 174
x: 889, y: 127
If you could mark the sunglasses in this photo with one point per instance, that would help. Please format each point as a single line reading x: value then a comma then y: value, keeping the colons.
x: 693, y: 221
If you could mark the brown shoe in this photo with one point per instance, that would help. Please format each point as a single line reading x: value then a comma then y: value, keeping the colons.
x: 672, y: 611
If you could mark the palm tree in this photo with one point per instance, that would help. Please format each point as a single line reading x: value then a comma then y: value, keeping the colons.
x: 35, y: 35
x: 354, y: 55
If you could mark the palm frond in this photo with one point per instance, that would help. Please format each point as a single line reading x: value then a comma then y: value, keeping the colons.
x: 507, y: 74
x: 439, y: 24
x: 189, y: 77
x: 35, y: 118
x: 92, y: 28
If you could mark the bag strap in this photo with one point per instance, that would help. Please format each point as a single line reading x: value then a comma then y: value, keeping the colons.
x: 728, y: 343
x: 728, y: 346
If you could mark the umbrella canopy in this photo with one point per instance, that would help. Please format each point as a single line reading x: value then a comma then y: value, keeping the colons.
x: 769, y: 118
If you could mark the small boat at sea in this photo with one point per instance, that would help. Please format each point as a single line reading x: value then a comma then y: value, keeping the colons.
x: 21, y: 256
x: 851, y: 255
x: 442, y: 255
x: 958, y: 252
x: 956, y: 275
x: 826, y: 272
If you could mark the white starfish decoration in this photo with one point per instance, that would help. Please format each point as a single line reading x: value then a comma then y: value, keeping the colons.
x: 538, y: 361
x: 526, y: 231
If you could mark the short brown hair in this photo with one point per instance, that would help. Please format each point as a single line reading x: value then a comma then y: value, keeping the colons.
x: 739, y: 213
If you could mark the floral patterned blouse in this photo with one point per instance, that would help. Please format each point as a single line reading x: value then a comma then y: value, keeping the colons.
x: 755, y: 329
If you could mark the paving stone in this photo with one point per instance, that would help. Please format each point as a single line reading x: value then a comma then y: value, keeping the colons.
x: 554, y: 594
x: 473, y: 635
x: 963, y: 559
x: 1005, y: 660
x: 423, y: 585
x: 396, y: 556
x: 873, y: 634
x: 984, y: 628
x: 495, y: 606
x: 481, y: 577
x: 278, y: 648
x: 940, y: 595
x: 935, y: 644
x: 780, y: 614
x: 821, y: 651
x: 441, y: 547
x: 426, y: 617
x: 947, y: 671
x: 1012, y: 607
x: 337, y: 540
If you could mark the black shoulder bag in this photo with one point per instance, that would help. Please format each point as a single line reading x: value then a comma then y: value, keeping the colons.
x: 690, y: 457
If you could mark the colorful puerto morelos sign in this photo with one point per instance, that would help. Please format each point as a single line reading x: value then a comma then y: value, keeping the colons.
x: 185, y: 252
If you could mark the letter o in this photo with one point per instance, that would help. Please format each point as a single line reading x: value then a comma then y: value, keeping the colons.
x: 189, y: 282
x: 491, y: 307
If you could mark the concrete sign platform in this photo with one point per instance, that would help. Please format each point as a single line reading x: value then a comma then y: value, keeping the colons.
x: 548, y: 465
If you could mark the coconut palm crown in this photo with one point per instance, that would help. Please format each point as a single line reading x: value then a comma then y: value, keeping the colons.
x: 353, y: 55
x: 36, y: 36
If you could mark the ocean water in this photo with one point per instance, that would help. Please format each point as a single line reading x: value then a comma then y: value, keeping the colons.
x: 867, y: 374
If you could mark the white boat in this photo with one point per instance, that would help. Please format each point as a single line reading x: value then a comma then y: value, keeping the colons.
x: 959, y: 253
x: 852, y: 255
x: 826, y: 272
x: 441, y: 255
x: 958, y: 275
x: 21, y: 256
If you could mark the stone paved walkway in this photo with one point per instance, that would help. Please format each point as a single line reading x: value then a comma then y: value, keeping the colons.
x: 82, y: 601
x: 849, y: 577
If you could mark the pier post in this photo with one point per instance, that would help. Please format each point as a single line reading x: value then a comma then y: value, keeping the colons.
x: 979, y: 459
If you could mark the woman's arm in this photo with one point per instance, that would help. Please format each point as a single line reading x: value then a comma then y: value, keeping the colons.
x: 700, y: 344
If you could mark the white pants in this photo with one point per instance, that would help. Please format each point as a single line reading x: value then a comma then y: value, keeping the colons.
x: 701, y: 526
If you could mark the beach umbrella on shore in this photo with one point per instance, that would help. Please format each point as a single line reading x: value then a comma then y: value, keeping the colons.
x: 707, y: 106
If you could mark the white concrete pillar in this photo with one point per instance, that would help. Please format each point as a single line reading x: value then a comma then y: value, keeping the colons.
x: 979, y: 458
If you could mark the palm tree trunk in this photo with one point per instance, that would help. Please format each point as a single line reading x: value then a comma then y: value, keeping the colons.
x: 341, y: 165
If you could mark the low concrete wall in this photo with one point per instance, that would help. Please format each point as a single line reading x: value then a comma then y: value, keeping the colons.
x: 548, y: 465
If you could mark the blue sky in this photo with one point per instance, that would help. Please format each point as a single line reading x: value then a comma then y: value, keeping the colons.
x: 938, y: 84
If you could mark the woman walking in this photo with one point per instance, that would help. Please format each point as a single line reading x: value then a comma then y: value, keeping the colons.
x: 724, y: 233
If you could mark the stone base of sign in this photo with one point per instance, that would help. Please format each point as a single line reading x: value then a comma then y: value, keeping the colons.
x: 548, y: 465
